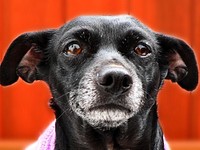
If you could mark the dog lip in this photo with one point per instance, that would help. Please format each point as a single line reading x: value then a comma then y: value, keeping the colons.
x: 110, y: 106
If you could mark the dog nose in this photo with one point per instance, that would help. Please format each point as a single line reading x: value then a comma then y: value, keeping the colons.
x: 115, y: 80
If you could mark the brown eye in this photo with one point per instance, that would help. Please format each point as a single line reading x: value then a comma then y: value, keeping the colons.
x: 73, y: 49
x: 142, y: 50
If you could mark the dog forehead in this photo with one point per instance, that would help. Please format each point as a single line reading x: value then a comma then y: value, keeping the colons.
x: 106, y: 27
x: 102, y: 22
x: 105, y: 19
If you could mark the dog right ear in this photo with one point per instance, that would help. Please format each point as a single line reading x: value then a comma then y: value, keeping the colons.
x: 24, y: 56
x: 180, y: 60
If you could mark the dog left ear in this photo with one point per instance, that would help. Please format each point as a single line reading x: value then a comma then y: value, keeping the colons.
x: 24, y: 57
x: 180, y: 61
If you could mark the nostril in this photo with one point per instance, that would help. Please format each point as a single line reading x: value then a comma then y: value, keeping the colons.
x: 107, y: 81
x: 127, y: 81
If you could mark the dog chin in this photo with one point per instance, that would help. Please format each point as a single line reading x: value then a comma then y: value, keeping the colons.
x: 107, y: 118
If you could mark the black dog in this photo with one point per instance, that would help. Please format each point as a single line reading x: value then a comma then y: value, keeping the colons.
x: 104, y: 73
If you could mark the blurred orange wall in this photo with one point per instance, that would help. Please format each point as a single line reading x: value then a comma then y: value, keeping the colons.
x: 24, y: 110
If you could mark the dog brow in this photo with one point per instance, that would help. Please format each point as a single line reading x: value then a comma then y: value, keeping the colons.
x: 138, y: 33
x: 75, y: 32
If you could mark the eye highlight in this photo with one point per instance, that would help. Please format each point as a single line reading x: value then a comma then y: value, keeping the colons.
x: 142, y: 50
x: 72, y: 49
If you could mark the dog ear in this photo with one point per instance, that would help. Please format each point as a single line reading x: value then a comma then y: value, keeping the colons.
x: 23, y: 57
x: 180, y: 61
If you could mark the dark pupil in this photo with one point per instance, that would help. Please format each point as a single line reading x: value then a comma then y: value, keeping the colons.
x: 74, y: 49
x: 142, y: 50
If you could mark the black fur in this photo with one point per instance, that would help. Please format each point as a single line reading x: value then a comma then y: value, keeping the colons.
x: 108, y: 49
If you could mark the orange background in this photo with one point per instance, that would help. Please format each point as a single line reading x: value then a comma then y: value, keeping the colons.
x: 24, y: 111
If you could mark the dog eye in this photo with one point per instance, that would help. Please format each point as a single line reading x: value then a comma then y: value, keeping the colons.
x: 142, y: 50
x: 72, y: 49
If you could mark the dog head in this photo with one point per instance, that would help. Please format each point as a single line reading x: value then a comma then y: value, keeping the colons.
x: 104, y: 69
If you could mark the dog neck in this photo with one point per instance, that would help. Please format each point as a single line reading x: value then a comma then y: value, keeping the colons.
x: 73, y: 132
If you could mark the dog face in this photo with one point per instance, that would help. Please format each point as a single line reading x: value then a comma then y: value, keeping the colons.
x: 104, y: 69
x: 109, y: 88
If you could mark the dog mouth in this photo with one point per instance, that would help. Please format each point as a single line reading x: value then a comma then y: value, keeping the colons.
x: 104, y: 111
x: 108, y: 115
x: 110, y: 107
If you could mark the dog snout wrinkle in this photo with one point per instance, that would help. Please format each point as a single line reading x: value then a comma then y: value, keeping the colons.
x: 114, y: 80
